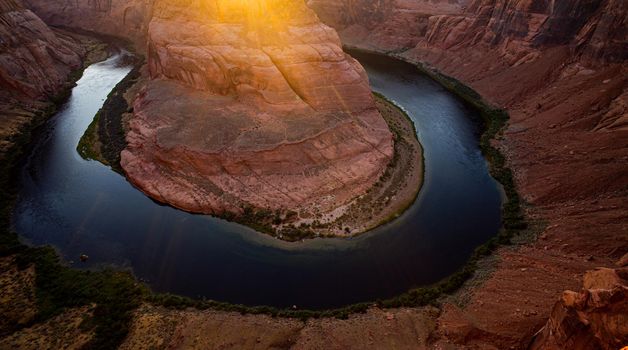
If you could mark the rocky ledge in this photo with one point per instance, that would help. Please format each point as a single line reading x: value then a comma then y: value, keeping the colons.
x: 594, y: 318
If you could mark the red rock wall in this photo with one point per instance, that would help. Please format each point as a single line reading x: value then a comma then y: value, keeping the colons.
x: 596, y: 28
x: 122, y: 18
x: 34, y: 60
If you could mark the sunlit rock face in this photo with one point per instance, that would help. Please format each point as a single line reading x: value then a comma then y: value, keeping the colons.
x: 252, y: 103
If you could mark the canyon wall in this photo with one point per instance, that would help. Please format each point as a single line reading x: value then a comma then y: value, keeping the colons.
x: 390, y: 25
x: 559, y: 68
x: 596, y: 28
x: 252, y: 105
x: 35, y: 63
x: 34, y: 60
x: 121, y: 18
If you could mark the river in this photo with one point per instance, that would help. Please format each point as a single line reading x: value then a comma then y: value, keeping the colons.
x: 83, y: 207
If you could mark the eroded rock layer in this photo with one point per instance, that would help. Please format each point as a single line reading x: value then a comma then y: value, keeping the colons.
x: 35, y: 62
x: 515, y: 30
x: 252, y: 103
x: 121, y: 18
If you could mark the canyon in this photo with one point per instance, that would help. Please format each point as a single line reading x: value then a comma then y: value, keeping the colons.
x: 558, y: 69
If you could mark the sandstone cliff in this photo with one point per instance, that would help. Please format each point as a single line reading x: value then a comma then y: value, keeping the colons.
x: 252, y: 104
x: 121, y: 18
x: 35, y: 62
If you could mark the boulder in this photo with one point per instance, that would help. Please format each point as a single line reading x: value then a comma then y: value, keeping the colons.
x: 594, y: 318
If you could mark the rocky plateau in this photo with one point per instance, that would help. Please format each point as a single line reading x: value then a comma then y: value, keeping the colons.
x: 252, y: 105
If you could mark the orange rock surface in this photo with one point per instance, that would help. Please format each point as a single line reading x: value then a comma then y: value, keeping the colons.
x: 594, y: 318
x: 254, y: 105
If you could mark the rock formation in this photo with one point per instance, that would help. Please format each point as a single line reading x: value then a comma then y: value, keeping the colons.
x: 557, y: 66
x: 594, y: 318
x: 389, y: 25
x: 252, y: 104
x: 35, y: 62
x: 121, y: 18
x: 518, y: 28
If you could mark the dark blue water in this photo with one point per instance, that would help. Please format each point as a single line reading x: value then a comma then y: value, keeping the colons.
x: 83, y: 207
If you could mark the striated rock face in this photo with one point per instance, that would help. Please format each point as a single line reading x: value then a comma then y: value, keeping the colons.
x: 252, y: 104
x: 122, y: 18
x: 35, y: 63
x: 385, y: 24
x: 34, y: 60
x: 595, y: 318
x: 520, y: 29
x: 596, y: 28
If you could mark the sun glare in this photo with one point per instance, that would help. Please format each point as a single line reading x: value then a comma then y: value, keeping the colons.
x: 273, y: 13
